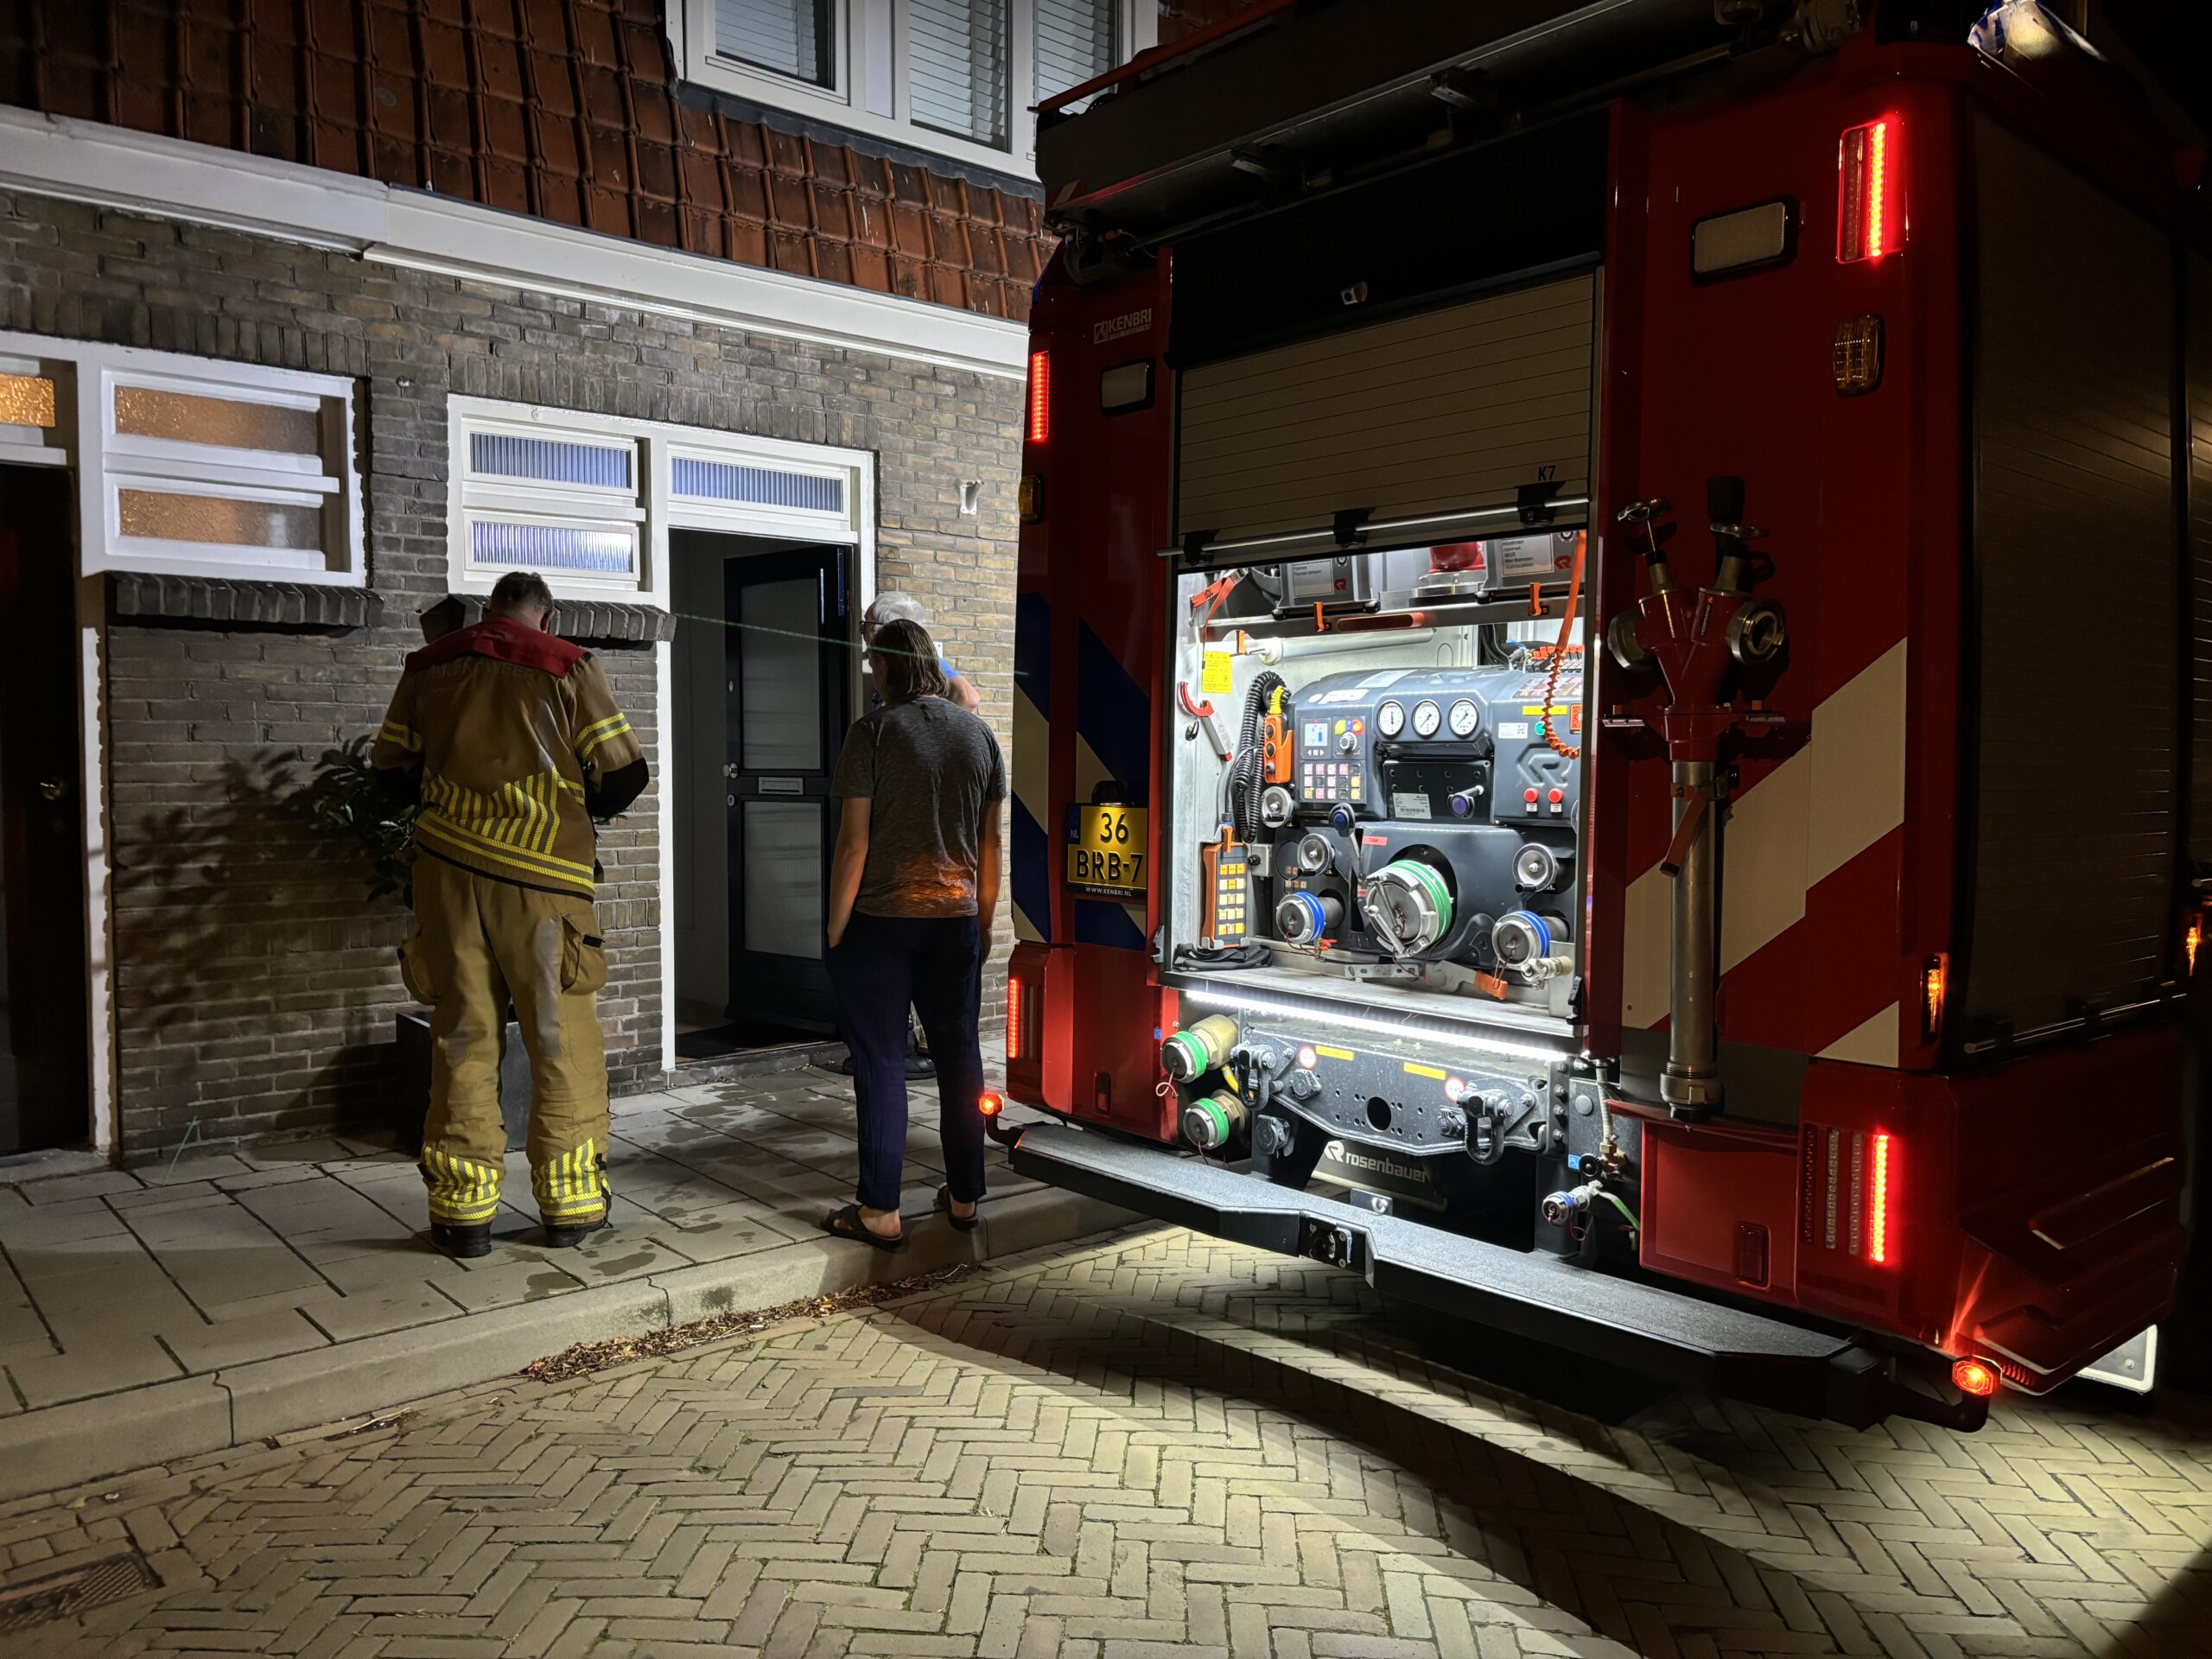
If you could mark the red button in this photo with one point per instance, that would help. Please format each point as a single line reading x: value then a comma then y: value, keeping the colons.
x: 1530, y: 795
x: 1557, y: 796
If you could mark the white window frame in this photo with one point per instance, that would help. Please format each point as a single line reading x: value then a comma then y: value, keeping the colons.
x: 868, y: 63
x: 651, y: 509
x: 110, y: 462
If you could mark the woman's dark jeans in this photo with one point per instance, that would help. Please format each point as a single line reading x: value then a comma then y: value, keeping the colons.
x: 883, y: 965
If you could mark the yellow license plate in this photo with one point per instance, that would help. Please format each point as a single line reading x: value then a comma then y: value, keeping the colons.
x: 1108, y: 853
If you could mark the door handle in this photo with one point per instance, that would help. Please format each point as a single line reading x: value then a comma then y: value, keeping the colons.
x: 729, y: 769
x: 52, y: 788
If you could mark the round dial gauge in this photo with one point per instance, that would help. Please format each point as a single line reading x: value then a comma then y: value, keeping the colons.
x: 1390, y: 719
x: 1426, y: 718
x: 1465, y: 718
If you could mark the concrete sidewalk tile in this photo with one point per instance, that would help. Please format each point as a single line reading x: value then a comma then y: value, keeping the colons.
x: 63, y: 1188
x: 88, y: 1296
x: 63, y: 1444
x: 374, y: 1313
x: 493, y: 1282
x: 221, y: 1253
x: 236, y: 1342
x: 23, y: 1333
x: 395, y: 1267
x: 191, y: 1167
x: 124, y: 1362
x: 276, y: 1396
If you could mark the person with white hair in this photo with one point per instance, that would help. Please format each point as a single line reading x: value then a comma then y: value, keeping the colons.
x: 893, y: 606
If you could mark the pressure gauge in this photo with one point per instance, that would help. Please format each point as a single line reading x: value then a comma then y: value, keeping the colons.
x: 1390, y: 719
x: 1465, y: 718
x: 1426, y: 718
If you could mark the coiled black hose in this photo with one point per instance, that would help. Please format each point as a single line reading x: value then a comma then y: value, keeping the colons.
x: 1244, y: 776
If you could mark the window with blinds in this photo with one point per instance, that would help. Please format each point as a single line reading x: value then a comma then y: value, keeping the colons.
x: 1075, y: 42
x: 587, y: 500
x: 791, y: 37
x: 956, y: 68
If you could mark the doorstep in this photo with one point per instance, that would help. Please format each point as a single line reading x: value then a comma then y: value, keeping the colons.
x: 159, y: 1314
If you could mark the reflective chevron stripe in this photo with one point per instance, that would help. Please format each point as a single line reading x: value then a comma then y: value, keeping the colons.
x: 1820, y: 831
x: 1030, y: 874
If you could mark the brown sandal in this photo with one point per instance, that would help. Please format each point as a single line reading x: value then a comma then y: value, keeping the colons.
x: 847, y: 1223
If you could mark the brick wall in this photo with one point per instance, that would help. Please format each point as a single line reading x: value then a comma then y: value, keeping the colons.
x: 255, y: 990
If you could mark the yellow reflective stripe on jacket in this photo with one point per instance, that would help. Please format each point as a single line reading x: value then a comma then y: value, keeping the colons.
x: 434, y: 827
x: 406, y: 737
x: 591, y: 736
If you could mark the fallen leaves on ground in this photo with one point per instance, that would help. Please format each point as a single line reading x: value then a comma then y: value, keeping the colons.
x: 586, y: 1357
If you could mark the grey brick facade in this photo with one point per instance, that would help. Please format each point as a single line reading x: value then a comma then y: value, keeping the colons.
x: 255, y: 991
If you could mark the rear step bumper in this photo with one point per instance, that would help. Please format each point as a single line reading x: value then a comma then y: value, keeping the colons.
x: 1681, y: 1339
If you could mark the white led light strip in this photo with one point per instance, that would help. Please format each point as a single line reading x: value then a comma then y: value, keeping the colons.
x: 1206, y: 997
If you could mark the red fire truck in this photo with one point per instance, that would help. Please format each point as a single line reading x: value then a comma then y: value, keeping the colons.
x: 1611, y: 693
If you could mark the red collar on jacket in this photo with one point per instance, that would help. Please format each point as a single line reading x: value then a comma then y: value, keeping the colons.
x: 508, y: 641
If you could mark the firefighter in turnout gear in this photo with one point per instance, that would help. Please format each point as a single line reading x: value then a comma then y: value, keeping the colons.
x: 509, y: 738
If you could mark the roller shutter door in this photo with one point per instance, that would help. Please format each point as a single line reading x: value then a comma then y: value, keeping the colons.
x: 2078, y: 713
x: 1449, y: 409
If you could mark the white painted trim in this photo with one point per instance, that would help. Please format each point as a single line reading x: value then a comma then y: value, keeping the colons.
x: 107, y: 462
x: 112, y: 167
x: 651, y: 509
x: 101, y: 1036
x: 665, y: 690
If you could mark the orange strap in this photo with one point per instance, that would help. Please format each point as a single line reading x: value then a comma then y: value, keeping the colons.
x: 1572, y: 751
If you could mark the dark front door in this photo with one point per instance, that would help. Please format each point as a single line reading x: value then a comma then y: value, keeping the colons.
x: 789, y: 671
x: 44, y: 1089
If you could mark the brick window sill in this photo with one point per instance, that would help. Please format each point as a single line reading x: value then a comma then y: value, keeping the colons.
x: 587, y: 622
x: 136, y: 599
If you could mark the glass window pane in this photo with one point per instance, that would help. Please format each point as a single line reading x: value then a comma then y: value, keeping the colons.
x: 722, y: 480
x: 552, y: 547
x: 957, y: 57
x: 1074, y: 43
x: 552, y: 461
x: 781, y: 682
x: 150, y: 412
x: 788, y: 36
x: 156, y: 515
x: 782, y: 842
x: 25, y: 400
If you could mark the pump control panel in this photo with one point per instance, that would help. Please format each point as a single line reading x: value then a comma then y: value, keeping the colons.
x: 1432, y: 818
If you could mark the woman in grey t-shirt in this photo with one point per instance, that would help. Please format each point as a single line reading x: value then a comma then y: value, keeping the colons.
x: 911, y: 890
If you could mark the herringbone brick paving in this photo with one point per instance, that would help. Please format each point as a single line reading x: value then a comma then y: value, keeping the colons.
x: 1162, y: 1446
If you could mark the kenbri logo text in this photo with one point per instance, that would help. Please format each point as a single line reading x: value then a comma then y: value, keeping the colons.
x: 1129, y: 322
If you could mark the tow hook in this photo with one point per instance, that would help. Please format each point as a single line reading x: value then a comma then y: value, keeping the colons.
x: 1326, y: 1243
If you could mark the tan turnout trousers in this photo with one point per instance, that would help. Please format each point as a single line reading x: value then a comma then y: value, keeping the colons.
x: 482, y: 945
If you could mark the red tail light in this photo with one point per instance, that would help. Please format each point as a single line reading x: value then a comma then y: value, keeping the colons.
x: 1971, y: 1376
x: 1868, y: 222
x: 1881, y: 1240
x: 991, y: 1105
x: 1041, y: 396
x: 1013, y: 1018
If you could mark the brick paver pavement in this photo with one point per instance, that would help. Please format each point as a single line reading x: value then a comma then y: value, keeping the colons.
x: 1160, y: 1446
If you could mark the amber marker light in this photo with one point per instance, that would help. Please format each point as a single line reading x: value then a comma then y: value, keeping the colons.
x: 1971, y: 1376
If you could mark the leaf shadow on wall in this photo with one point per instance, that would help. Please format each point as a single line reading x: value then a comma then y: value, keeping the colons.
x: 255, y: 976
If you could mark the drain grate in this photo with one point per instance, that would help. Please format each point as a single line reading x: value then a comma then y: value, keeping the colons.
x: 65, y: 1595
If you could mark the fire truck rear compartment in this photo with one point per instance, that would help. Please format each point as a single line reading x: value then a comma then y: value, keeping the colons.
x: 1681, y: 1338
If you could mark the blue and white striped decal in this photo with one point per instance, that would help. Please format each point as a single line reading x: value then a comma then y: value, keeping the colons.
x: 1112, y: 744
x: 1032, y: 863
